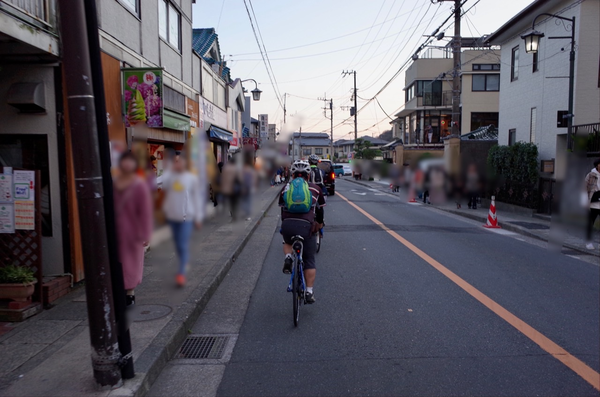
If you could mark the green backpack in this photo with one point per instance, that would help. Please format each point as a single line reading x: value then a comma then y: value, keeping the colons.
x: 297, y: 197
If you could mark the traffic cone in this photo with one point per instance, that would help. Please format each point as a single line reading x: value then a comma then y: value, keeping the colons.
x: 492, y: 220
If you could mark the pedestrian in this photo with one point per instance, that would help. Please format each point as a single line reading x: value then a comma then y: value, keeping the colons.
x: 249, y: 185
x: 592, y: 180
x: 429, y: 133
x: 133, y: 219
x: 183, y: 208
x: 231, y: 184
x: 472, y: 186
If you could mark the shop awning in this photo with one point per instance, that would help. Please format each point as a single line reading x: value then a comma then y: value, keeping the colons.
x: 176, y: 121
x: 220, y: 133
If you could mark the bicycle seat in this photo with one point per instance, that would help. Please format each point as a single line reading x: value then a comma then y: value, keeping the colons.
x: 297, y: 238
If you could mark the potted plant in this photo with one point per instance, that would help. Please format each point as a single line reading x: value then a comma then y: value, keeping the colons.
x: 16, y: 283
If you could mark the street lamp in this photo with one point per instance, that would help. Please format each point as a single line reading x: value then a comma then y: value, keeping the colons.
x: 255, y: 92
x: 532, y: 45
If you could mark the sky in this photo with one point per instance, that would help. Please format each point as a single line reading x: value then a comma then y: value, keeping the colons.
x: 310, y: 42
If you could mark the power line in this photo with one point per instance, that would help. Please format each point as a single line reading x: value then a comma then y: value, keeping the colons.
x: 263, y: 55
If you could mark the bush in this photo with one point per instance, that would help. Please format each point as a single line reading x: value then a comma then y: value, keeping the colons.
x: 517, y: 163
x: 12, y: 274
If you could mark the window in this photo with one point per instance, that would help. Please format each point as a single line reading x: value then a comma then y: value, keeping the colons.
x: 514, y: 64
x: 532, y: 125
x: 486, y: 66
x: 410, y: 92
x: 512, y: 136
x: 562, y: 121
x: 486, y: 82
x: 535, y: 62
x: 307, y: 152
x: 319, y: 151
x: 131, y: 5
x: 169, y: 22
x: 480, y: 119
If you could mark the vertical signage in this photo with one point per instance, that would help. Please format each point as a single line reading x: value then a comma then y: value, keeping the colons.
x: 143, y: 96
x: 263, y: 125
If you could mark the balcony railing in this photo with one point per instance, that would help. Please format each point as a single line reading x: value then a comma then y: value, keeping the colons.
x: 443, y: 98
x: 586, y: 138
x: 37, y: 9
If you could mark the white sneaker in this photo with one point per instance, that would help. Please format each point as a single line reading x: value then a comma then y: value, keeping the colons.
x: 590, y: 246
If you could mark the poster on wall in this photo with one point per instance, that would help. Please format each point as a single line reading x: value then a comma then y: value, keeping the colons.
x: 143, y: 96
x: 24, y: 184
x: 6, y: 188
x: 7, y: 216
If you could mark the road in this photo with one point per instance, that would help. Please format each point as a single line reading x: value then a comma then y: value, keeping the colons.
x: 410, y: 301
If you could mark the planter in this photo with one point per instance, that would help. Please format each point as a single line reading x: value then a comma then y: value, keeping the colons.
x: 17, y: 292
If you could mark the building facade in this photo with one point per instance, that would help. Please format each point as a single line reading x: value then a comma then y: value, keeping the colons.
x: 306, y: 143
x: 534, y: 88
x: 427, y: 114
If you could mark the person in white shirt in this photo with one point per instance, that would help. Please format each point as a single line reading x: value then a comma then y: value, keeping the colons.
x: 593, y: 189
x: 183, y: 208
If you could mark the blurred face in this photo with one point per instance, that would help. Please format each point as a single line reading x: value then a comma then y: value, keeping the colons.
x: 179, y: 164
x: 127, y: 165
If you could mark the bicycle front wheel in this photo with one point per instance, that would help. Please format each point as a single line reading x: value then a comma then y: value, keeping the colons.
x: 296, y: 293
x: 318, y: 237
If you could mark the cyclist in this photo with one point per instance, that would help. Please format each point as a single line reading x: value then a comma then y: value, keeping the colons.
x: 316, y: 174
x: 302, y: 223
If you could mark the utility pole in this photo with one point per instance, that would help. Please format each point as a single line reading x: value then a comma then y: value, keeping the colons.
x: 355, y: 111
x: 456, y: 47
x: 90, y: 193
x: 324, y: 99
x: 284, y: 107
x: 300, y: 144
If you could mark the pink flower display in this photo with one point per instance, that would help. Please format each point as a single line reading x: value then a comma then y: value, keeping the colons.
x: 154, y: 121
x: 153, y: 105
x: 145, y: 89
x: 132, y: 81
x: 128, y: 96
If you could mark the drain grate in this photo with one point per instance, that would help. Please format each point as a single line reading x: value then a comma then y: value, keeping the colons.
x: 203, y: 347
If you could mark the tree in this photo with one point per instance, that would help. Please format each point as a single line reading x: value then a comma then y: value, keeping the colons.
x: 386, y: 135
x: 362, y: 150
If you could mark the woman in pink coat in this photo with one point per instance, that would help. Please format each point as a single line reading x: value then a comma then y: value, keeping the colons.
x: 133, y: 218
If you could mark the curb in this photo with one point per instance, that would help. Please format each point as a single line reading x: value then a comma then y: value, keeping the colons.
x: 505, y: 225
x: 154, y: 358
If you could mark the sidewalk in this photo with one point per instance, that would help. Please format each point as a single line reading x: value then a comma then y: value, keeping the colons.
x: 535, y: 227
x: 50, y: 353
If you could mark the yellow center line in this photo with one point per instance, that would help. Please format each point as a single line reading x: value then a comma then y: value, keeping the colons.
x: 575, y: 364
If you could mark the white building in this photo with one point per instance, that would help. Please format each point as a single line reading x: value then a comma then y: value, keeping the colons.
x: 534, y: 88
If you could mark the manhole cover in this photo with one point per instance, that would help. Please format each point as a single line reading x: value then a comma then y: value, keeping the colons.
x: 530, y: 225
x: 149, y: 312
x: 208, y: 347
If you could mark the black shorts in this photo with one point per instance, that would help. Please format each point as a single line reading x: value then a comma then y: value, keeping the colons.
x: 300, y: 227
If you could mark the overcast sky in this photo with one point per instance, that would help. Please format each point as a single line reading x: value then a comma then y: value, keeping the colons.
x: 310, y: 42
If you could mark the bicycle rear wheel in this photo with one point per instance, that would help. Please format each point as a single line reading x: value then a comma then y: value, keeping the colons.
x: 296, y: 293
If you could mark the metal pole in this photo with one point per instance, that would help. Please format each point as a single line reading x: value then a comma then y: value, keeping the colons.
x: 90, y: 193
x: 331, y: 143
x: 300, y: 144
x: 127, y: 370
x: 355, y: 110
x: 571, y: 85
x: 456, y: 46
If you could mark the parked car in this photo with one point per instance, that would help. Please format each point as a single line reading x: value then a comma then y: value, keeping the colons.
x: 338, y: 169
x: 347, y: 170
x: 328, y: 170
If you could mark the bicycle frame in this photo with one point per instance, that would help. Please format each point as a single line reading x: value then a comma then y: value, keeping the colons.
x: 298, y: 266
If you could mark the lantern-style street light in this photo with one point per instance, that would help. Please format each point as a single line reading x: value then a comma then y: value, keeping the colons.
x: 255, y: 92
x: 532, y: 45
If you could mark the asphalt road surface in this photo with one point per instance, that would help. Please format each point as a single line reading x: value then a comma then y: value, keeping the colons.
x: 414, y: 301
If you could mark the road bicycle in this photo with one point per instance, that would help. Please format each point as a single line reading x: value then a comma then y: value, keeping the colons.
x: 297, y: 285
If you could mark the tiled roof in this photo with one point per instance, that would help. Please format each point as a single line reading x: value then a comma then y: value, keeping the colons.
x: 321, y: 135
x: 313, y: 141
x: 203, y: 39
x: 488, y: 133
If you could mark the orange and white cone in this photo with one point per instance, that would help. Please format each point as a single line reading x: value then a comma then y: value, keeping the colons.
x: 492, y: 220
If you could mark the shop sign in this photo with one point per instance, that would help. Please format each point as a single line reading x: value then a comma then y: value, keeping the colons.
x: 143, y: 96
x: 192, y: 110
x: 212, y: 114
x: 263, y: 125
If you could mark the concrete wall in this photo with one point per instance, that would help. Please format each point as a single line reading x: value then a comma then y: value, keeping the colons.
x: 547, y: 89
x: 44, y: 124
